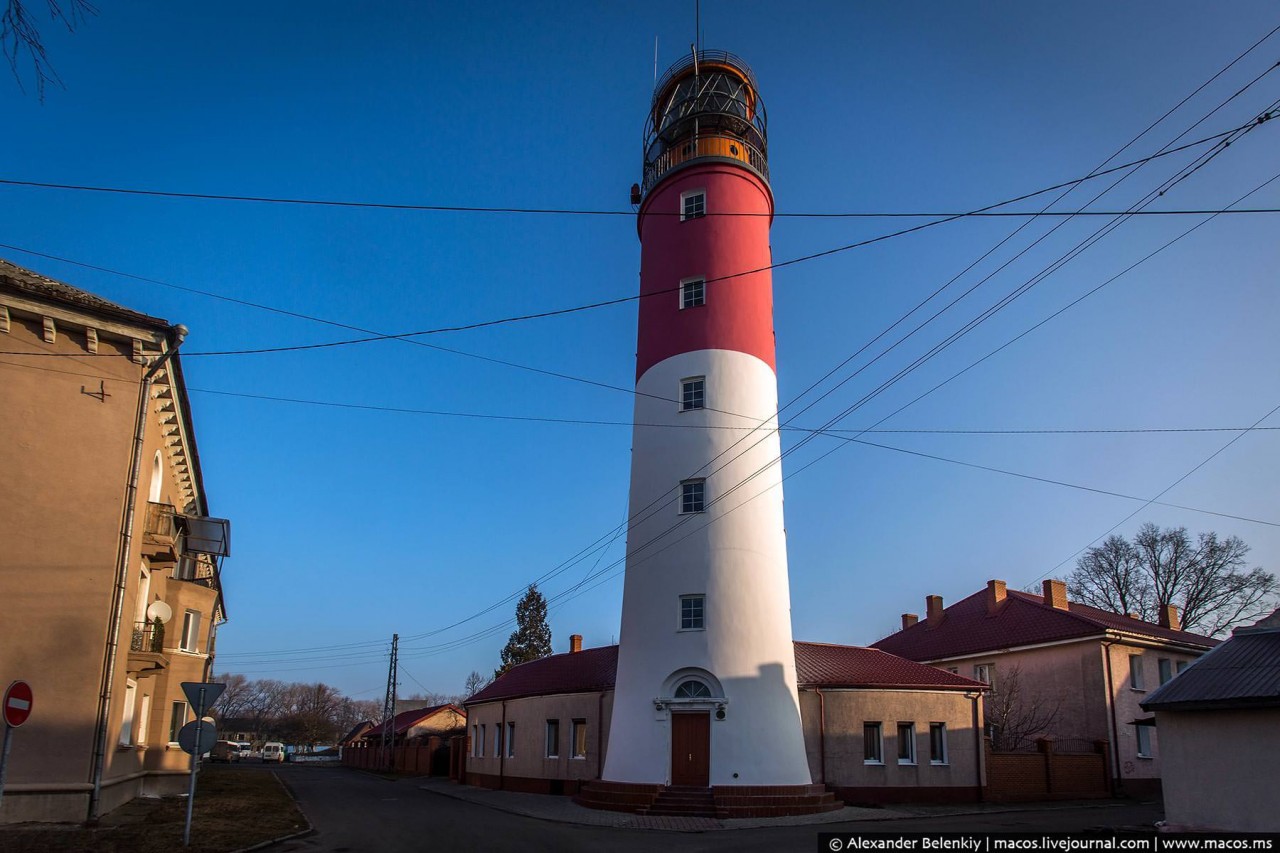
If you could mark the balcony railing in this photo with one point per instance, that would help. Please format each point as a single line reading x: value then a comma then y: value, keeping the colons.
x: 195, y: 570
x: 706, y: 145
x: 160, y: 523
x: 161, y: 538
x: 147, y: 637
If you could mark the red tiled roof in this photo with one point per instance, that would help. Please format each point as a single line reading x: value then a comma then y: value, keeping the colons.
x: 817, y: 665
x: 1022, y: 619
x: 570, y: 672
x: 406, y: 720
x: 825, y: 665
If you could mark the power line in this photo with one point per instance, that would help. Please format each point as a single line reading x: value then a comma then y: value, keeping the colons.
x: 815, y: 460
x: 923, y: 214
x: 489, y: 631
x: 622, y: 300
x: 1002, y: 303
x: 1162, y: 493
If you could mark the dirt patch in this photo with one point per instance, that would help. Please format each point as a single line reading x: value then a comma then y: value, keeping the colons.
x: 236, y: 807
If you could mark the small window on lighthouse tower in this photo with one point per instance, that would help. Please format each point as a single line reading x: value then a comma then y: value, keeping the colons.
x: 693, y: 204
x: 692, y: 614
x: 693, y: 393
x: 693, y: 496
x: 693, y: 292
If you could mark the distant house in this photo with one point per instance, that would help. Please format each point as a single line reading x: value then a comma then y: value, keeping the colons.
x: 109, y: 563
x: 877, y: 728
x: 356, y: 733
x: 420, y: 723
x: 1057, y: 668
x: 1219, y: 725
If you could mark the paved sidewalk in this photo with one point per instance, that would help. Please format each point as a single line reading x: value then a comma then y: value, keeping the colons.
x: 562, y: 809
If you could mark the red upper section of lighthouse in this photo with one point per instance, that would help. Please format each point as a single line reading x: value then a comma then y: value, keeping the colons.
x: 706, y: 214
x: 730, y: 252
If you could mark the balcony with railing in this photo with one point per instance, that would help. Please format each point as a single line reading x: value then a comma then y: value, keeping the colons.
x: 161, y: 538
x: 146, y: 648
x: 705, y: 145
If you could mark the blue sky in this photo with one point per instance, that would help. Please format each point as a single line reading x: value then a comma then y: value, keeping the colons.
x: 352, y: 524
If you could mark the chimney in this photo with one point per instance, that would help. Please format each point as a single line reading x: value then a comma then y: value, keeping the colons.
x: 995, y: 596
x: 1055, y: 594
x: 909, y: 619
x: 1169, y: 617
x: 933, y: 607
x: 575, y: 643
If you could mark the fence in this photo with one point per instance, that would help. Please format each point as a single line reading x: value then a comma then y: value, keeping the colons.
x: 429, y: 758
x: 1054, y: 771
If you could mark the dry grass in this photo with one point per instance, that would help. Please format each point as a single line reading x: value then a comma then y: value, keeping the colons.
x: 235, y: 808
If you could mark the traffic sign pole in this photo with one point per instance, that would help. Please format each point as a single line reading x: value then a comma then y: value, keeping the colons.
x: 195, y: 768
x: 17, y: 703
x: 4, y: 758
x: 201, y: 694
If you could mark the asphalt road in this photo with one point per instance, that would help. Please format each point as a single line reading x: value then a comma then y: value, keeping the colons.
x: 355, y: 812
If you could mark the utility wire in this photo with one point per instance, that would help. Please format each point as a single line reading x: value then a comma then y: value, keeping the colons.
x: 807, y: 465
x: 621, y: 300
x: 600, y: 576
x: 487, y: 632
x: 589, y: 422
x: 1161, y: 494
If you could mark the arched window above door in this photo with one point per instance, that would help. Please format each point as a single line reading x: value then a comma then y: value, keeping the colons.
x: 692, y: 689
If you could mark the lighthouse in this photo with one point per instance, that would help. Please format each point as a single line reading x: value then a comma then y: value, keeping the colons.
x: 706, y: 683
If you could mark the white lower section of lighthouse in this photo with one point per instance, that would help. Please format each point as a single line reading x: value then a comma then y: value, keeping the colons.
x: 732, y: 555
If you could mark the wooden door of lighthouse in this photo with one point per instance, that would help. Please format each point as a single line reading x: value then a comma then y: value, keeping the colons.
x: 691, y: 748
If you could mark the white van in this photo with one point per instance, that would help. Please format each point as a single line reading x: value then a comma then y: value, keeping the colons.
x: 272, y: 751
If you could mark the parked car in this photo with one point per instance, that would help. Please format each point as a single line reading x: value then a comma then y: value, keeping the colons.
x: 272, y: 751
x: 225, y: 751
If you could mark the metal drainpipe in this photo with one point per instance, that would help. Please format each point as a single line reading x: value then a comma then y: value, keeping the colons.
x: 600, y: 735
x: 502, y: 753
x: 822, y: 733
x: 980, y: 753
x: 98, y: 764
x: 1115, y: 726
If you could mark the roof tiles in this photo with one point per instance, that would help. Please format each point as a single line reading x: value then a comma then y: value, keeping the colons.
x: 1022, y: 619
x: 406, y: 720
x: 23, y: 279
x: 817, y: 665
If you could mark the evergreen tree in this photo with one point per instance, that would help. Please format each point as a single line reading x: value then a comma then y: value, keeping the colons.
x: 532, y: 637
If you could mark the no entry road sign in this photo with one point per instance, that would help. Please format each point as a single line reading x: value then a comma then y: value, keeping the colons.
x: 17, y: 703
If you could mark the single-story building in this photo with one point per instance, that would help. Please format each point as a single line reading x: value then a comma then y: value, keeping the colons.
x: 1219, y: 724
x: 877, y: 728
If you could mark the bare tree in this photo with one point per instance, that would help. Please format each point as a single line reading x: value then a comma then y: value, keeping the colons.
x: 20, y: 35
x: 474, y: 684
x: 1015, y: 713
x: 235, y: 698
x: 1208, y: 579
x: 311, y: 713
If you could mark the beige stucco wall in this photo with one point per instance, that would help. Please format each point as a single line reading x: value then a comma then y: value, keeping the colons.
x: 530, y: 716
x: 1067, y: 677
x: 845, y: 712
x: 1073, y: 678
x: 64, y: 460
x: 1218, y: 769
x: 1127, y: 697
